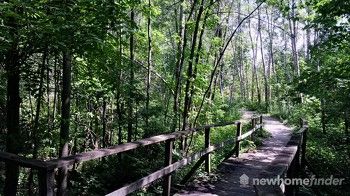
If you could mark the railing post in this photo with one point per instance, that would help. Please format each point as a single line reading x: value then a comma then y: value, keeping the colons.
x: 301, y: 123
x: 167, y: 162
x: 290, y: 190
x: 238, y: 133
x: 207, y: 144
x: 253, y: 126
x: 46, y: 182
x: 298, y: 157
x: 303, y: 149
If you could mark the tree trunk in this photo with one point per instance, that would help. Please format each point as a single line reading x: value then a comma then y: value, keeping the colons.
x: 323, y: 115
x: 104, y: 124
x: 119, y: 76
x: 347, y: 124
x: 36, y: 139
x: 190, y: 75
x: 180, y: 58
x: 253, y: 61
x: 293, y: 36
x: 285, y: 63
x: 255, y: 78
x: 131, y: 81
x: 13, y: 140
x: 149, y: 62
x: 263, y: 63
x: 240, y: 66
x: 65, y: 120
x: 270, y: 66
x: 178, y: 66
x: 56, y: 90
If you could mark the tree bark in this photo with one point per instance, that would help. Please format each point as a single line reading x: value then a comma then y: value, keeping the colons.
x: 323, y: 115
x: 149, y: 63
x: 240, y: 66
x: 65, y: 120
x: 218, y: 61
x: 253, y: 62
x: 190, y: 75
x: 270, y: 66
x: 36, y: 140
x: 13, y: 140
x: 104, y: 124
x: 178, y: 67
x: 131, y: 81
x: 293, y: 32
x: 263, y: 63
x: 255, y: 78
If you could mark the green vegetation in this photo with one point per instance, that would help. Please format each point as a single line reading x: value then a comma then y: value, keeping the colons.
x: 81, y: 75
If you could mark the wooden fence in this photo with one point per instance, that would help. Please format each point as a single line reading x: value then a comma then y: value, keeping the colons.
x: 46, y: 169
x: 289, y: 164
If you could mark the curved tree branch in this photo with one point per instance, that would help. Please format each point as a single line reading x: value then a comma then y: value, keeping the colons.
x: 220, y: 58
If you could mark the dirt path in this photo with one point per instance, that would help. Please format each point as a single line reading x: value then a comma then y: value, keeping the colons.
x: 250, y: 164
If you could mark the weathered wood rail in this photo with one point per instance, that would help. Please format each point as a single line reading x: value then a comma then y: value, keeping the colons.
x: 289, y: 164
x: 46, y: 169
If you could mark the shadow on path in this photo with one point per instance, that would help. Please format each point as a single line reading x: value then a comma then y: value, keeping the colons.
x: 250, y: 164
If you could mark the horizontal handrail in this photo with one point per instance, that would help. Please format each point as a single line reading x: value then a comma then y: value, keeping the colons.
x: 185, y: 161
x: 214, y: 126
x: 248, y: 133
x: 303, y: 129
x: 22, y: 161
x: 102, y: 152
x: 160, y: 173
x: 50, y: 165
x: 169, y: 169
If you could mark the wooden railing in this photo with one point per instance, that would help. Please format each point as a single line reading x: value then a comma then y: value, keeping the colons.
x: 46, y: 169
x: 289, y: 164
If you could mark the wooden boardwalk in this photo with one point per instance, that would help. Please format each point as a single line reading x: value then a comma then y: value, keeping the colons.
x: 281, y: 154
x: 252, y: 164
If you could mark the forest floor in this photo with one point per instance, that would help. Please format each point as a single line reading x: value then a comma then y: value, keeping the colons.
x: 251, y: 163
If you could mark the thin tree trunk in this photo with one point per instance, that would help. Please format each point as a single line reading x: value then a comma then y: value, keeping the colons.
x: 190, y: 75
x: 178, y: 66
x: 347, y: 124
x: 263, y: 63
x: 36, y: 139
x: 48, y: 100
x: 323, y: 116
x: 180, y: 62
x: 285, y: 63
x: 293, y: 31
x: 308, y: 37
x: 131, y: 81
x: 240, y: 56
x: 119, y: 107
x: 255, y: 78
x: 270, y: 66
x: 149, y: 62
x: 253, y: 62
x: 104, y: 123
x: 57, y: 78
x: 218, y: 61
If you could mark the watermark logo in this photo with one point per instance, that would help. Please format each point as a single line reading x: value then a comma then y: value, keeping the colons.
x: 244, y: 180
x: 331, y: 181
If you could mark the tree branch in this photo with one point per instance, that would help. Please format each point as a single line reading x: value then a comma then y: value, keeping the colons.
x: 219, y: 60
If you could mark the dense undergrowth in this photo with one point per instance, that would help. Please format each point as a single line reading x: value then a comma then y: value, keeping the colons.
x: 327, y: 150
x: 96, y: 178
x: 101, y: 177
